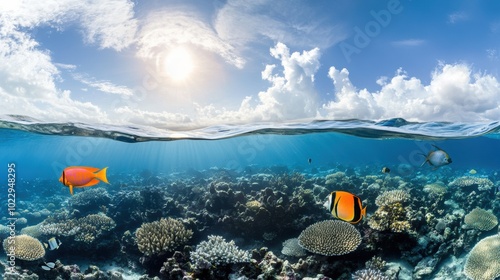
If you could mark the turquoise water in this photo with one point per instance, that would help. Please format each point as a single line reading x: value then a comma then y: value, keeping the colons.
x: 314, y: 150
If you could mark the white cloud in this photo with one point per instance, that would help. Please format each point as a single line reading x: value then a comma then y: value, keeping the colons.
x: 291, y: 95
x: 165, y: 29
x: 454, y: 94
x: 243, y: 22
x: 128, y: 115
x: 457, y: 17
x: 27, y: 72
x: 409, y: 42
x: 104, y: 86
x: 110, y: 24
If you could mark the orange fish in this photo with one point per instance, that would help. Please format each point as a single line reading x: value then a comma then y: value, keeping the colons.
x: 82, y: 176
x: 345, y: 206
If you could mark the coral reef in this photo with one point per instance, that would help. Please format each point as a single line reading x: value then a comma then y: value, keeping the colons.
x: 481, y: 219
x: 482, y: 263
x: 161, y: 236
x: 369, y: 274
x: 33, y: 231
x: 86, y: 229
x: 90, y: 200
x: 469, y: 181
x: 391, y: 197
x: 330, y: 238
x: 216, y: 251
x: 24, y: 247
x: 391, y: 217
x: 292, y: 248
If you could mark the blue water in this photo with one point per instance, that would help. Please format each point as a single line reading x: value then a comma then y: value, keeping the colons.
x: 41, y: 151
x: 45, y: 156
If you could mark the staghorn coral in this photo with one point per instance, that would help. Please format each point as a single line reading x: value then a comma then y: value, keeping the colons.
x: 161, y: 236
x: 24, y: 247
x: 469, y: 181
x: 369, y: 274
x: 217, y: 251
x: 481, y: 219
x: 330, y: 238
x: 390, y: 217
x: 482, y: 263
x: 292, y: 248
x: 390, y: 197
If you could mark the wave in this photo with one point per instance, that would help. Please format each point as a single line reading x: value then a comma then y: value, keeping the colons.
x: 391, y: 128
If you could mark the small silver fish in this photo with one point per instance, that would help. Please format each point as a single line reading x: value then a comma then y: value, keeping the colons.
x: 437, y: 158
x: 48, y: 266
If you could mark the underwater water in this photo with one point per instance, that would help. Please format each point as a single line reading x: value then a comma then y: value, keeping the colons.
x: 171, y: 193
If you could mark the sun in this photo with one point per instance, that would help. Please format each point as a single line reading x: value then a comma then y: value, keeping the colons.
x: 178, y: 64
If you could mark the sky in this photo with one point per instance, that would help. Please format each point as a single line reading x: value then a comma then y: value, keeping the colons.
x: 186, y: 64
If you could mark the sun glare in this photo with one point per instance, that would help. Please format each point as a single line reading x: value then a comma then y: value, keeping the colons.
x: 178, y: 64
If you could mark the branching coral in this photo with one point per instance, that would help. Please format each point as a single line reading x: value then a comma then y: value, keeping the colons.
x: 217, y: 251
x: 161, y: 236
x: 369, y: 274
x: 330, y: 238
x: 390, y: 217
x: 481, y: 219
x: 24, y: 247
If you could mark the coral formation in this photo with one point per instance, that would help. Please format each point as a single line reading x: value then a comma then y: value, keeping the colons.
x: 161, y: 236
x: 391, y: 217
x: 330, y: 238
x: 216, y: 251
x: 24, y: 247
x: 469, y: 181
x: 390, y: 197
x: 292, y: 248
x: 482, y: 263
x: 437, y: 188
x: 33, y: 231
x: 88, y: 201
x: 481, y: 219
x: 85, y: 229
x: 369, y: 274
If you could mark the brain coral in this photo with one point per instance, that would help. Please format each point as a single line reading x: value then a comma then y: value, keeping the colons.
x: 469, y: 181
x: 330, y: 238
x: 481, y: 219
x: 482, y: 262
x: 161, y: 236
x: 24, y: 247
x: 292, y: 248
